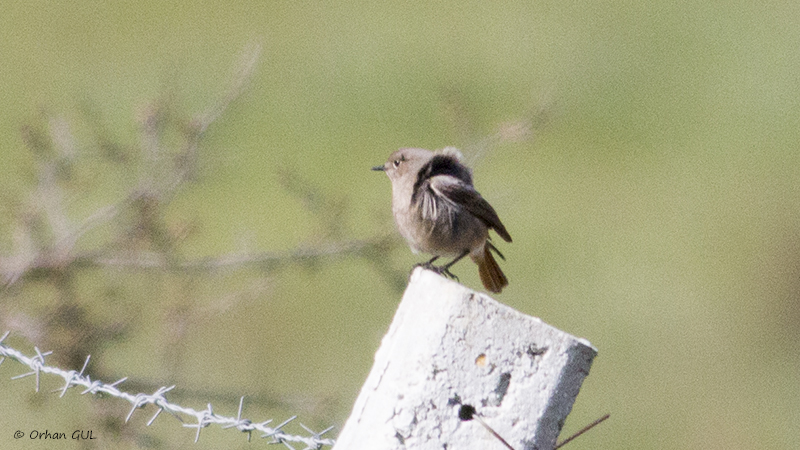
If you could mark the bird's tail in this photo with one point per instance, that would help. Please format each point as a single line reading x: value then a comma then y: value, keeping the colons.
x: 492, y: 277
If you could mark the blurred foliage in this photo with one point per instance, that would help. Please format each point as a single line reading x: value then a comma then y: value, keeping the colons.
x: 222, y: 232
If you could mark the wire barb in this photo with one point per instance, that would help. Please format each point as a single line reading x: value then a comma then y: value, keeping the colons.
x: 36, y: 363
x: 152, y: 419
x: 200, y: 419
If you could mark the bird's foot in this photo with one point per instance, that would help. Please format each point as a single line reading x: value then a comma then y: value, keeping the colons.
x: 444, y: 270
x: 441, y: 270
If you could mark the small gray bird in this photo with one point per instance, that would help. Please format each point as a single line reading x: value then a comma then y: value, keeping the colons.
x: 438, y: 211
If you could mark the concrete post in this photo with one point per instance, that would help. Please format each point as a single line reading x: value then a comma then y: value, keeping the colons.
x: 450, y: 348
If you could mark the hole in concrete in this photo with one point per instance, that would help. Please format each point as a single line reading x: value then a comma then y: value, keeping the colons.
x: 502, y: 387
x: 466, y: 412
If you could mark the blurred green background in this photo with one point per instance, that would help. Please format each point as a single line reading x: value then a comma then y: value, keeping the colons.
x: 654, y: 205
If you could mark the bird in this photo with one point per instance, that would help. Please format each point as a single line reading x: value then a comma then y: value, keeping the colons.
x: 438, y: 211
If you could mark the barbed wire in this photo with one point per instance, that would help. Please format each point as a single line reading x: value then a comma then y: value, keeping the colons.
x: 202, y: 418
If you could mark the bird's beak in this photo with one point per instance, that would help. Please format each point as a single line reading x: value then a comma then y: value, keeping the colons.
x: 381, y: 168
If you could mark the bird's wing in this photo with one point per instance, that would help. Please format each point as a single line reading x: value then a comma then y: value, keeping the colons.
x: 464, y: 195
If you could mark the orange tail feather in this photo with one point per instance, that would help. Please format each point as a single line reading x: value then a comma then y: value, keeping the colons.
x: 493, y: 279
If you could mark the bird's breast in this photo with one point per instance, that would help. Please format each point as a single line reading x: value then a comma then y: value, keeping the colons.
x: 438, y: 227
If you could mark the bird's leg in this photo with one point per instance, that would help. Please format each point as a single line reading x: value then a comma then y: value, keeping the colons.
x: 428, y: 264
x: 445, y: 269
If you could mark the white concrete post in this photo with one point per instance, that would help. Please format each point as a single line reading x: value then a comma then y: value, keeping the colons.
x: 449, y: 346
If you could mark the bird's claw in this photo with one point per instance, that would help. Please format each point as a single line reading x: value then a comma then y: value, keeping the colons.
x: 446, y: 272
x: 441, y: 270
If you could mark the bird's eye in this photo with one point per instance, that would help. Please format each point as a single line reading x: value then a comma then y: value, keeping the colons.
x: 397, y: 163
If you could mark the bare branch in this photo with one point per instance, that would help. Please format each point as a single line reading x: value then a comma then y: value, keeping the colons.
x: 243, y: 73
x: 265, y: 260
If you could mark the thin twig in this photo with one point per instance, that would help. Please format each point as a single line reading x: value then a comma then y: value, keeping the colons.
x: 581, y: 431
x: 494, y: 433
